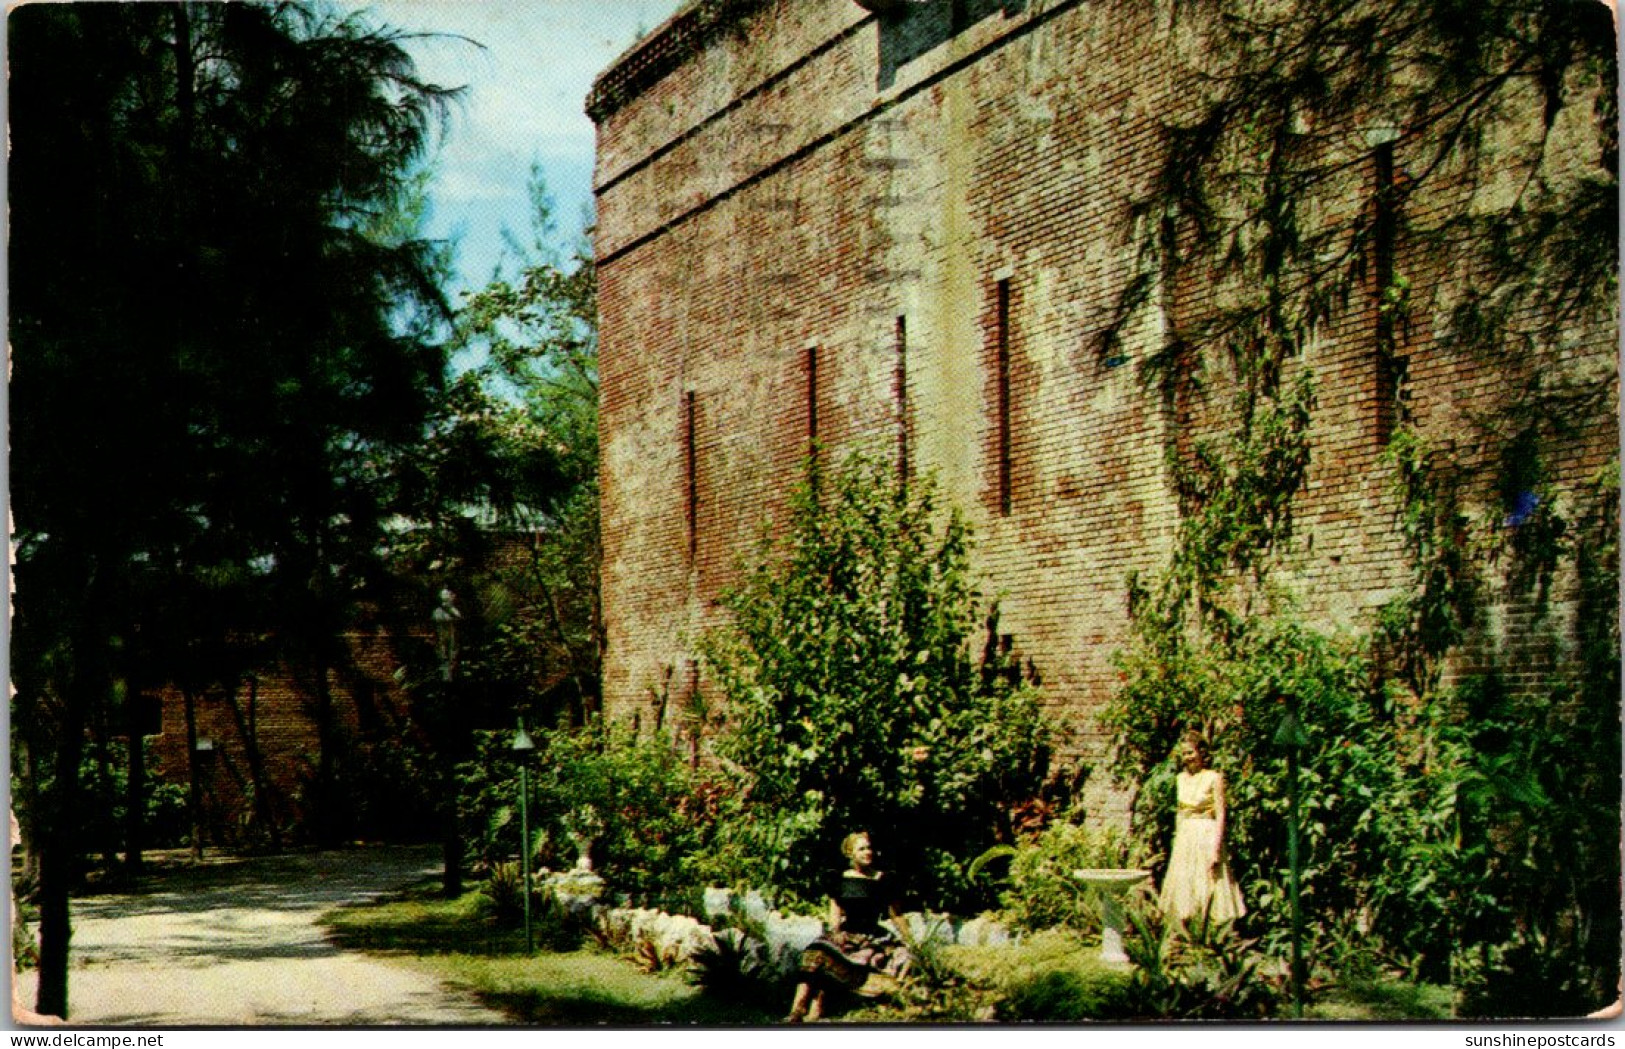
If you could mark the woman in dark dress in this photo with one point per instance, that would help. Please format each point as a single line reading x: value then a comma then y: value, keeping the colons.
x: 855, y: 945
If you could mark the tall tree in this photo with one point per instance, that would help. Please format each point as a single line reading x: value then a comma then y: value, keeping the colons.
x: 215, y: 361
x: 503, y: 497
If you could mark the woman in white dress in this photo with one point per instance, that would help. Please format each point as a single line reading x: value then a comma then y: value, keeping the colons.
x: 1198, y: 879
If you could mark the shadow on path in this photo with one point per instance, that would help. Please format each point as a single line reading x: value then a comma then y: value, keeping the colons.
x: 235, y: 942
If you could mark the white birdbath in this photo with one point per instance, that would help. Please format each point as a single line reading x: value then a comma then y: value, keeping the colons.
x: 1111, y: 884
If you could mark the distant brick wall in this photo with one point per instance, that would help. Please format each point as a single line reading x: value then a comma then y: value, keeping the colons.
x: 270, y: 718
x: 814, y: 175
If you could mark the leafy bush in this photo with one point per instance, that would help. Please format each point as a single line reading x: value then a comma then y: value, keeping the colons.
x: 628, y: 799
x: 503, y: 894
x: 1041, y: 892
x: 104, y: 771
x: 1066, y: 995
x: 854, y: 700
x: 24, y: 947
x: 553, y: 927
x: 1209, y: 973
x: 1429, y: 815
x: 739, y: 966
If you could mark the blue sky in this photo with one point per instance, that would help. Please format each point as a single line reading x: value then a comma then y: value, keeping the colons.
x: 523, y: 104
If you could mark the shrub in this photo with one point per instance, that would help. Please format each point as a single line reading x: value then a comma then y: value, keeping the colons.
x: 739, y: 966
x: 628, y: 799
x: 503, y: 894
x: 1041, y: 892
x: 1066, y: 995
x: 1208, y: 973
x: 1427, y: 813
x: 854, y: 700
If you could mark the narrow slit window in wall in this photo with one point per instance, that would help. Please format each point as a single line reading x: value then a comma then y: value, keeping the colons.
x: 900, y: 395
x: 1384, y: 235
x: 812, y: 399
x: 811, y: 368
x: 1001, y: 323
x: 691, y: 487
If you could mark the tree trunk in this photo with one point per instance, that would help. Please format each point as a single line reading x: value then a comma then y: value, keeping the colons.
x: 451, y: 879
x: 58, y: 850
x: 248, y: 732
x: 103, y: 748
x: 135, y: 806
x: 58, y: 868
x: 194, y: 785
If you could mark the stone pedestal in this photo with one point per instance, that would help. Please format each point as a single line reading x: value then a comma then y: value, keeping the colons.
x: 1110, y: 885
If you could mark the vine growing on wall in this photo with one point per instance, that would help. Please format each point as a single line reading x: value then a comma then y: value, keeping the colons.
x: 1328, y: 155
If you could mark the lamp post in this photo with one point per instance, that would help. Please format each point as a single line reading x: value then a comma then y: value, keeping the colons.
x: 523, y: 747
x: 444, y: 618
x: 1292, y: 737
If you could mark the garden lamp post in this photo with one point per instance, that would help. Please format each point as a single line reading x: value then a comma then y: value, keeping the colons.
x: 523, y: 748
x: 444, y: 617
x: 1292, y: 737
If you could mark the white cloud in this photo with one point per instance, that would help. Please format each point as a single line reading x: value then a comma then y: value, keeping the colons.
x: 524, y: 100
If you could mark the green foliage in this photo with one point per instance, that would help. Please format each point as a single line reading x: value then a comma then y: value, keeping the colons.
x: 243, y: 348
x: 854, y: 700
x: 737, y: 966
x: 1041, y: 891
x: 24, y: 917
x: 629, y: 799
x: 553, y: 927
x: 1419, y: 626
x: 105, y: 774
x: 1065, y: 995
x: 1209, y: 973
x: 1236, y: 495
x: 1504, y: 178
x: 503, y: 893
x: 1430, y: 816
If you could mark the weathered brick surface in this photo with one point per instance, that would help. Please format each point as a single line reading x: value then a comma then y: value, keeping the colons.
x: 807, y: 179
x: 272, y: 714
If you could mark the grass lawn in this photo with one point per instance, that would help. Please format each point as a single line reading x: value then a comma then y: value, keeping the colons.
x: 1052, y: 975
x: 452, y: 940
x: 1057, y: 976
x: 1383, y: 999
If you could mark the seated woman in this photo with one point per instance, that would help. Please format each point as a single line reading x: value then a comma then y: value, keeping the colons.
x: 854, y: 947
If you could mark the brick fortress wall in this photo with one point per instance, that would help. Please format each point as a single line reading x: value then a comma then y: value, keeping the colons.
x: 911, y: 230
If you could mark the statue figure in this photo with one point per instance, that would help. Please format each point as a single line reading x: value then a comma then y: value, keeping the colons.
x: 583, y: 827
x: 1198, y: 878
x: 445, y: 617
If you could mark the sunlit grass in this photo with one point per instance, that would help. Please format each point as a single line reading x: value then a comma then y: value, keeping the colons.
x: 1384, y: 999
x: 456, y: 942
x: 1054, y: 975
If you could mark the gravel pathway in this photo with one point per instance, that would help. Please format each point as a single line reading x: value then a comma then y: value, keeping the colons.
x: 235, y: 943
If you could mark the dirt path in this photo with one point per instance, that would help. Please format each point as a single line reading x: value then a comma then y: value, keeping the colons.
x: 235, y: 943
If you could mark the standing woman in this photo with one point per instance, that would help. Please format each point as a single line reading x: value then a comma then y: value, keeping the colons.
x: 1198, y: 879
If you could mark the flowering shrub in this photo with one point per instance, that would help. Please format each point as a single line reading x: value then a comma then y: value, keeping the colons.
x: 854, y: 698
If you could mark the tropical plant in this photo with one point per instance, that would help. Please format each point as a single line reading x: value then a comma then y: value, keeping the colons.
x: 624, y: 800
